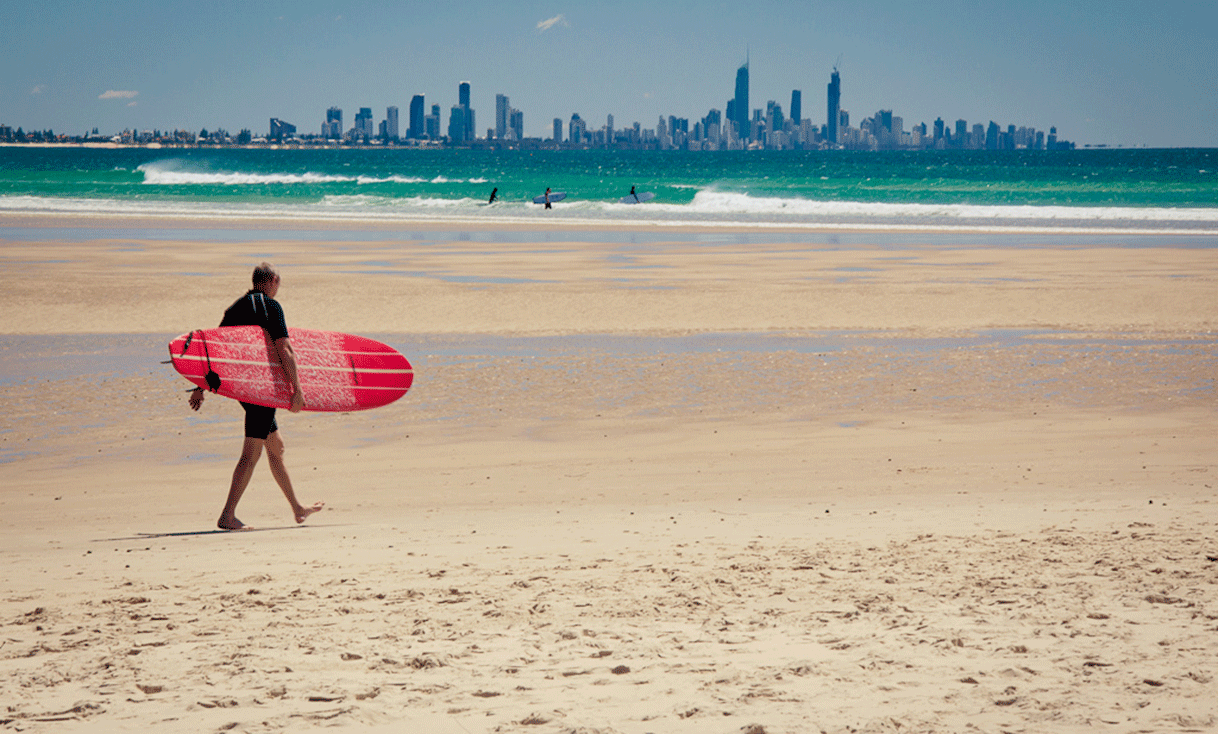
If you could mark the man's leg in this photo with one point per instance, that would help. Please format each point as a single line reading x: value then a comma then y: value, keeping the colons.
x: 251, y: 451
x: 274, y: 456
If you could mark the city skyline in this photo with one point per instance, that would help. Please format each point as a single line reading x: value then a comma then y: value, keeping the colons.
x: 739, y: 127
x: 1103, y: 74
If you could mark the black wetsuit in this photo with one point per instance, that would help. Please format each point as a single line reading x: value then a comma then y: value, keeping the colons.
x: 258, y: 309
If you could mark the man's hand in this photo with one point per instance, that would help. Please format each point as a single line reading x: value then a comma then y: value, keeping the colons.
x: 196, y: 398
x: 287, y: 359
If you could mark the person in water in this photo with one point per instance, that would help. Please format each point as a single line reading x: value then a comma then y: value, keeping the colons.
x: 547, y: 197
x: 636, y: 196
x: 258, y: 307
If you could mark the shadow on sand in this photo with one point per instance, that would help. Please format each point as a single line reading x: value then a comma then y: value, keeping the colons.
x: 217, y: 531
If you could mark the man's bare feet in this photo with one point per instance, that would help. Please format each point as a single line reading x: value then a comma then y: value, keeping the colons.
x: 304, y: 512
x: 232, y: 523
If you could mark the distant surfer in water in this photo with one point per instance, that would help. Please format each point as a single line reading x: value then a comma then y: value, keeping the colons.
x: 258, y: 307
x: 547, y: 197
x: 494, y: 191
x: 636, y: 196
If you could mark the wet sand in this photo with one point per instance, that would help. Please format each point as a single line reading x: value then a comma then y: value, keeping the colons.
x: 672, y: 487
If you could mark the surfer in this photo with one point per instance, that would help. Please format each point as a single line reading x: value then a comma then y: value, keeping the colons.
x: 494, y: 191
x: 547, y: 197
x: 636, y: 196
x: 258, y: 307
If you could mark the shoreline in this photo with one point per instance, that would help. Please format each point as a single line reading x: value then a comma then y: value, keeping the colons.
x: 257, y: 221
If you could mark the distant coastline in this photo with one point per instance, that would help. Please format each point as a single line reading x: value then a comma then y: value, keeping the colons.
x: 483, y: 145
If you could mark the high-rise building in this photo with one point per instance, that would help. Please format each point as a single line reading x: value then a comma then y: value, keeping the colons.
x: 835, y: 104
x: 391, y: 124
x: 333, y: 126
x: 281, y: 129
x: 741, y: 107
x: 516, y: 124
x: 432, y: 122
x: 363, y: 127
x: 576, y: 129
x: 558, y: 129
x: 468, y: 113
x: 417, y: 125
x: 796, y: 104
x: 457, y: 124
x: 774, y: 120
x: 503, y: 113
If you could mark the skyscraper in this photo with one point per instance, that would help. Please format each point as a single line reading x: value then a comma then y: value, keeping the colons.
x: 463, y: 101
x: 391, y: 124
x: 417, y: 115
x: 576, y: 129
x: 457, y: 124
x: 432, y: 123
x: 835, y: 103
x: 741, y: 108
x: 503, y: 113
x: 796, y: 104
x: 363, y: 128
x: 516, y: 124
x: 333, y: 127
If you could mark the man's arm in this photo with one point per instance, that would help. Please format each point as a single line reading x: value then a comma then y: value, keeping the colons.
x: 287, y: 359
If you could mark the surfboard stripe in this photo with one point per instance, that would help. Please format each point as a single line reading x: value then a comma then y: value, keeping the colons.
x: 251, y: 381
x: 202, y: 361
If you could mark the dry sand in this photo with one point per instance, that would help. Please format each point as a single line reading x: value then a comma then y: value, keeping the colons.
x: 679, y: 486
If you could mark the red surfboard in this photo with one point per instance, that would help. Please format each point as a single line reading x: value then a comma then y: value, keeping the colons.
x: 338, y: 372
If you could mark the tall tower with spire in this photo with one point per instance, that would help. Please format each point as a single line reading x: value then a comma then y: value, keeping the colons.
x: 835, y: 105
x: 741, y: 106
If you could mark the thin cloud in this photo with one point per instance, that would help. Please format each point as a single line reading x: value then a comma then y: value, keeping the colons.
x: 39, y: 89
x: 546, y: 25
x: 113, y: 94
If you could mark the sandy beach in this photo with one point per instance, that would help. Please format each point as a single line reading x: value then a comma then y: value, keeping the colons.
x: 708, y: 482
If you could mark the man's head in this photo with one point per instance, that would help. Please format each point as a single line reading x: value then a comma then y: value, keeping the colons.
x: 266, y: 279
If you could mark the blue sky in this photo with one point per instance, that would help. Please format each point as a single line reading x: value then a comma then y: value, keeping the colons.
x: 1116, y: 72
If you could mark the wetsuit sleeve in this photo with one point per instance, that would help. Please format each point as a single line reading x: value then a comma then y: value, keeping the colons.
x: 276, y: 325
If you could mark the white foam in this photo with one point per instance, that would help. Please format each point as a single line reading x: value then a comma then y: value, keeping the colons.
x: 170, y: 174
x: 712, y: 211
x: 389, y: 179
x: 718, y: 202
x: 180, y: 173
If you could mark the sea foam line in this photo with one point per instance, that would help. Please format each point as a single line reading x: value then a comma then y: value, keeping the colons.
x: 379, y: 210
x: 719, y: 202
x: 168, y: 175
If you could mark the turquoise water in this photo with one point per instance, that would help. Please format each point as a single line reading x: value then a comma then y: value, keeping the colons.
x: 1141, y: 190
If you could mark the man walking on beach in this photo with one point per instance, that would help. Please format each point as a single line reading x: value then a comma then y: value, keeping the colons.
x: 258, y: 307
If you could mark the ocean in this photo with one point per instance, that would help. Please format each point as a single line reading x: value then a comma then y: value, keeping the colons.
x: 1105, y: 191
